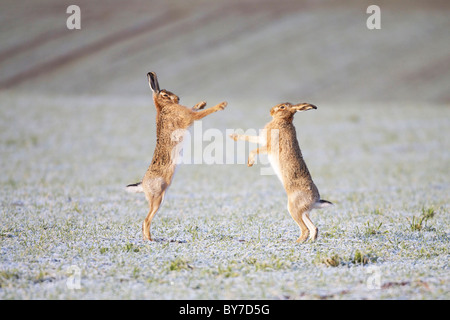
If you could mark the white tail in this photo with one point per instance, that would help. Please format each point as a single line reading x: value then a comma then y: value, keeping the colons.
x: 322, y: 204
x: 135, y: 188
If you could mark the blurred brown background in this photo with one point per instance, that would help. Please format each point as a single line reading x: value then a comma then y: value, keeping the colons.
x: 318, y: 51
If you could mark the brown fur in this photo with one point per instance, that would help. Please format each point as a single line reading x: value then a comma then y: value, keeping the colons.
x: 279, y: 141
x: 172, y: 119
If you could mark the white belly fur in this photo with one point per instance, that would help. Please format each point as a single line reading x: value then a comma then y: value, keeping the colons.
x: 275, y: 163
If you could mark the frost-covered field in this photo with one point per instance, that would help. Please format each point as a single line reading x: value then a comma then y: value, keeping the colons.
x: 68, y: 230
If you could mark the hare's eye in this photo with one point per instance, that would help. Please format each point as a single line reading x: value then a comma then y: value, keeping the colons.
x: 282, y: 107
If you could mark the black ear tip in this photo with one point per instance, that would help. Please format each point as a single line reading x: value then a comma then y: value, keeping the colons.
x: 153, y: 81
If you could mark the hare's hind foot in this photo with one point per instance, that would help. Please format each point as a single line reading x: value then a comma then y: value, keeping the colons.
x: 313, y: 230
x: 308, y: 233
x: 311, y: 235
x: 146, y: 232
x: 303, y: 237
x: 314, y: 234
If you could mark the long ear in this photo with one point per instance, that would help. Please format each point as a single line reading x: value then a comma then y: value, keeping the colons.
x: 153, y: 82
x: 303, y: 107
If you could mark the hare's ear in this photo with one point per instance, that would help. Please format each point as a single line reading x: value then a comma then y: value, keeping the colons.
x: 153, y: 82
x: 303, y: 107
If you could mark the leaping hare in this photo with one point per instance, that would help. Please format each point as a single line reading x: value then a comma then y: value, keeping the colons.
x: 279, y: 141
x: 172, y: 119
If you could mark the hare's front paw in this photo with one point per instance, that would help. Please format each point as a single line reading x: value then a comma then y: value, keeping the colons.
x: 200, y: 105
x: 222, y: 105
x: 234, y: 136
x: 250, y: 162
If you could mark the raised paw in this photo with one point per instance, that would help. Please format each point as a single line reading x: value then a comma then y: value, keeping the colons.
x: 234, y: 136
x: 222, y: 105
x: 200, y: 105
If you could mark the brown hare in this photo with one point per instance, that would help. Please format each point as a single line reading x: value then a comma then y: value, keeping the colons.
x: 172, y: 120
x: 279, y: 141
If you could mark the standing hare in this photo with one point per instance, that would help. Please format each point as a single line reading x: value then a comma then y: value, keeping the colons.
x: 279, y: 141
x: 172, y: 120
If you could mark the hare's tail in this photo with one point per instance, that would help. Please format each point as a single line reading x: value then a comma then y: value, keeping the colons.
x: 321, y: 204
x: 135, y: 187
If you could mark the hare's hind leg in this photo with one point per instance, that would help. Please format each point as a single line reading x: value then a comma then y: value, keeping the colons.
x: 296, y: 214
x: 154, y: 189
x: 154, y: 202
x: 312, y: 228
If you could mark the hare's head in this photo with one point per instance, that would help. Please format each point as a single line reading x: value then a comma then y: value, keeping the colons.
x: 163, y: 97
x: 287, y: 110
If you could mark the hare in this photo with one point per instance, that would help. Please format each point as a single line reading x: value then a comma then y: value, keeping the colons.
x: 279, y: 141
x: 172, y: 120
